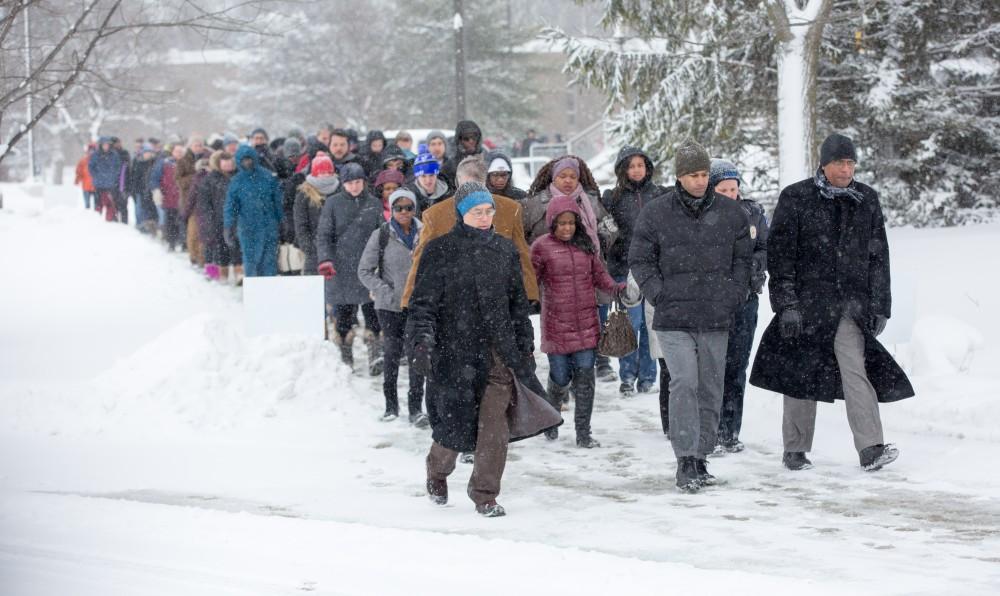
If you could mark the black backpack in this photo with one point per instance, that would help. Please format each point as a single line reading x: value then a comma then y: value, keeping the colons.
x: 383, y: 241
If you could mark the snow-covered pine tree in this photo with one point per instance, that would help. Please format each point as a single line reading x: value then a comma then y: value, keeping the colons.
x: 674, y: 69
x: 918, y: 84
x: 498, y: 92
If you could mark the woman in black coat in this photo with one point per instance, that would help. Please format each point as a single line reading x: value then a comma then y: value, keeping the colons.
x: 469, y: 333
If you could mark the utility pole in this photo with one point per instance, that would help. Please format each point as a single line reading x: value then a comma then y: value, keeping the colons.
x: 30, y: 109
x: 459, y: 24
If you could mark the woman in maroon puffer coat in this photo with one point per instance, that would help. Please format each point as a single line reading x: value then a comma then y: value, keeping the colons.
x: 569, y: 272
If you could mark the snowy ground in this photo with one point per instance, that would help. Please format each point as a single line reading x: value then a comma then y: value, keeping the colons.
x: 148, y: 447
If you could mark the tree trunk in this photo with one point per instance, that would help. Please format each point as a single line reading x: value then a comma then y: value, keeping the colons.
x: 799, y: 32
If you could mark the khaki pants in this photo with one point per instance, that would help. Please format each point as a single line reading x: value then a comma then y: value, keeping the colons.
x: 799, y: 419
x: 491, y: 443
x: 194, y: 244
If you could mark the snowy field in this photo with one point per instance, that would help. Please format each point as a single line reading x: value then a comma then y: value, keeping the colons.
x: 148, y: 447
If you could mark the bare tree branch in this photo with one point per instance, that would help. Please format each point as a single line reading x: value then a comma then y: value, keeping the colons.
x: 54, y: 99
x: 44, y: 64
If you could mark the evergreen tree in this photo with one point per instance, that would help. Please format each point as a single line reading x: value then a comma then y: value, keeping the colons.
x: 684, y: 70
x: 916, y: 83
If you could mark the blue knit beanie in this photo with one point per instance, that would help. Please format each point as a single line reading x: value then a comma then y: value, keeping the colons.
x: 723, y: 169
x: 425, y: 164
x: 470, y: 195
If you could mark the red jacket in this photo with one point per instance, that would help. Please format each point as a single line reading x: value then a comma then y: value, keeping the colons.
x: 168, y: 185
x: 567, y: 278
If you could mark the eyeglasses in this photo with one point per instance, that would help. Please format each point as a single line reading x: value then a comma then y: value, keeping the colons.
x: 467, y: 138
x: 480, y: 213
x: 402, y: 208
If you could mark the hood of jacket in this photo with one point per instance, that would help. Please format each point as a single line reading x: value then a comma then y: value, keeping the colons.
x: 559, y: 205
x: 243, y: 152
x: 621, y: 165
x: 465, y: 128
x: 375, y: 135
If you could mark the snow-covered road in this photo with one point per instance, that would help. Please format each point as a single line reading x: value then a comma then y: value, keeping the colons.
x: 148, y: 447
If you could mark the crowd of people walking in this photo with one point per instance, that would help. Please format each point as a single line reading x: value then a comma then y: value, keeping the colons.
x: 437, y: 261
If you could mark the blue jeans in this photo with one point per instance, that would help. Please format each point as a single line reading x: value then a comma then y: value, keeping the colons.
x: 89, y: 195
x: 561, y: 366
x: 639, y: 364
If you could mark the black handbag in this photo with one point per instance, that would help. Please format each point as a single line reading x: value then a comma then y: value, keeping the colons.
x: 617, y: 336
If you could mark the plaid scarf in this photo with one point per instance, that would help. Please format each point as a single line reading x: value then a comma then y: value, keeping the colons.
x: 829, y: 191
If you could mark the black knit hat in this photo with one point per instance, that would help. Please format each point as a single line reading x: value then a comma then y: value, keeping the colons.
x: 690, y: 158
x: 837, y: 146
x: 350, y: 172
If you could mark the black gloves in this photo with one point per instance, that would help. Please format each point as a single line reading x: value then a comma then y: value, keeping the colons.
x: 877, y: 325
x: 420, y: 360
x: 790, y: 323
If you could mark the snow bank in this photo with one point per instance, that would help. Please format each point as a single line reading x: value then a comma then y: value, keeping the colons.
x: 943, y: 345
x: 206, y: 374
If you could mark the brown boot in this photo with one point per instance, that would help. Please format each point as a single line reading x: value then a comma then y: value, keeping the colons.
x: 437, y: 491
x: 224, y: 274
x: 238, y: 277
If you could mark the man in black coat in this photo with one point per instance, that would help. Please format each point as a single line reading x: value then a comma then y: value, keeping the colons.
x: 690, y: 255
x: 829, y: 263
x: 468, y: 329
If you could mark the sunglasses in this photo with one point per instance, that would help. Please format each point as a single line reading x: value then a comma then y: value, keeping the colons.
x: 402, y: 208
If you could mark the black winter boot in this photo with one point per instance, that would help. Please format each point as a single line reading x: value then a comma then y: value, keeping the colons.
x: 796, y: 460
x: 583, y: 391
x: 876, y: 456
x: 687, y: 475
x: 557, y: 396
x: 703, y: 476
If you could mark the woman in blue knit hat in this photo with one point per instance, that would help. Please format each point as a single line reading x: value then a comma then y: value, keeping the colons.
x: 469, y: 333
x: 724, y: 178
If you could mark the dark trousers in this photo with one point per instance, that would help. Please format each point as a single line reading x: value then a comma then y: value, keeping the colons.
x: 664, y: 395
x: 347, y: 316
x: 737, y: 359
x: 121, y: 205
x: 393, y: 327
x: 171, y: 227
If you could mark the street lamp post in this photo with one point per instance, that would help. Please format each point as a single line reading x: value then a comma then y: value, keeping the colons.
x: 459, y: 24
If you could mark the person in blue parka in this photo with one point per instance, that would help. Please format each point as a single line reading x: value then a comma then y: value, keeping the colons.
x: 253, y: 205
